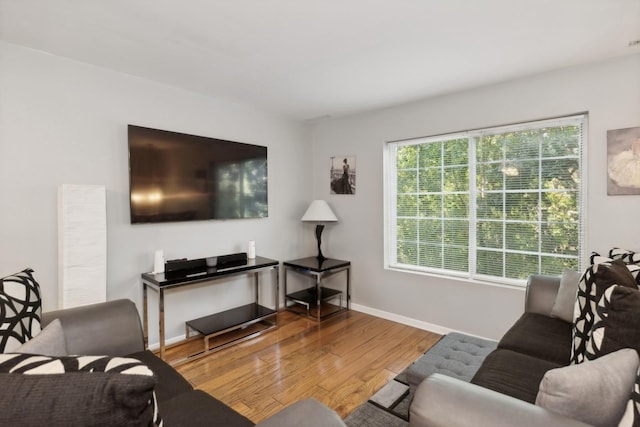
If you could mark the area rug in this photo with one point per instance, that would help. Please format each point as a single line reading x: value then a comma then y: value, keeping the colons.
x: 456, y: 355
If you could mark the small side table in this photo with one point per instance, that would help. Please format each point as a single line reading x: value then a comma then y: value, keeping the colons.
x: 314, y: 302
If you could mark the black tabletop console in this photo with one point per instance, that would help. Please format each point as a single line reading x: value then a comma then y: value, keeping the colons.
x: 237, y: 324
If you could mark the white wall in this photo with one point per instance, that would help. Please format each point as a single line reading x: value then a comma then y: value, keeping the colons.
x: 609, y: 91
x: 64, y: 122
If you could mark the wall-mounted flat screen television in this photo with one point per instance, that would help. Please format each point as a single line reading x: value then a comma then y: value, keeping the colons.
x: 179, y: 177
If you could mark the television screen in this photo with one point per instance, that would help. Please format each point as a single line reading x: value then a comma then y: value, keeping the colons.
x: 179, y: 177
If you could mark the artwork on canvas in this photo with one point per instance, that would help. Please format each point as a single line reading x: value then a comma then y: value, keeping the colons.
x: 343, y: 175
x: 623, y: 161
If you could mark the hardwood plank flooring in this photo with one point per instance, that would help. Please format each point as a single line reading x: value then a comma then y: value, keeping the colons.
x: 341, y: 362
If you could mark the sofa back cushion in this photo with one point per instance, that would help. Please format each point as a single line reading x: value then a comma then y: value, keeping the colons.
x: 540, y: 336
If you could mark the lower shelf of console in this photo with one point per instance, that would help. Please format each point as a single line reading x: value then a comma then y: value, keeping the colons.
x: 220, y: 330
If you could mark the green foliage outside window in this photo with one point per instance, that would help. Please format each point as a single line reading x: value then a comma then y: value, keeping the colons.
x: 521, y: 212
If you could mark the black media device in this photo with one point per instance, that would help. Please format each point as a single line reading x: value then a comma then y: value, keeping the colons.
x: 180, y: 177
x: 233, y: 260
x: 183, y: 266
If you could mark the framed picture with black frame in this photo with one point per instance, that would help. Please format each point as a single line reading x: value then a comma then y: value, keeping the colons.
x: 342, y: 175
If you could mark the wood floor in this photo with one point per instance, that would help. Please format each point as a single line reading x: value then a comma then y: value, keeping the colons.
x: 341, y: 362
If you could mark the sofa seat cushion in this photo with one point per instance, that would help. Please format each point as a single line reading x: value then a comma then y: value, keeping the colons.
x: 514, y: 374
x: 540, y: 336
x: 197, y: 408
x: 170, y: 382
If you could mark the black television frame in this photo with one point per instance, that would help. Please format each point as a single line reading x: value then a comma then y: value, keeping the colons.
x: 176, y: 177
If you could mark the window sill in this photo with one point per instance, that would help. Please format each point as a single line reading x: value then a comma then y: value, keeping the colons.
x: 517, y: 285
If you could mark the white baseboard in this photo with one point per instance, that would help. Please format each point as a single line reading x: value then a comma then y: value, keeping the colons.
x: 367, y: 310
x: 410, y: 321
x: 168, y: 341
x: 402, y: 319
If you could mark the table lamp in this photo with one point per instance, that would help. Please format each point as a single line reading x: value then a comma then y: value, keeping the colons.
x: 319, y: 211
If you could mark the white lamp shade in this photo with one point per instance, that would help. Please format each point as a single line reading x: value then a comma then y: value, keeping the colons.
x: 319, y: 211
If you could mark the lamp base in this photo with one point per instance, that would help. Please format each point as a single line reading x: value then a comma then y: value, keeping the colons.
x: 319, y: 229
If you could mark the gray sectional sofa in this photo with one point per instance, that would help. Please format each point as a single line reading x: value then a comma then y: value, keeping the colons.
x: 113, y: 328
x: 504, y: 390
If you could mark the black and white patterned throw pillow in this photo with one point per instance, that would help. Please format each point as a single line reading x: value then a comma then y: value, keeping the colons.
x: 77, y: 391
x: 600, y: 275
x: 616, y: 322
x: 20, y: 309
x: 630, y: 258
x: 631, y: 417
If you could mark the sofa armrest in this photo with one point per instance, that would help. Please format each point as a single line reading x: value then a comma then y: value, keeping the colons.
x: 111, y: 328
x: 442, y: 401
x: 541, y: 293
x: 305, y: 413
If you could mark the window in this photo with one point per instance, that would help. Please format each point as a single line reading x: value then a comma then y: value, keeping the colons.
x: 493, y: 204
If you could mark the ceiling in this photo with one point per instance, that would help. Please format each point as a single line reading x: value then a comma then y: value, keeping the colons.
x: 310, y: 59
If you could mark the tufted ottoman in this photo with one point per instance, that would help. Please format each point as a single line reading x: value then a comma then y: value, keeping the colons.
x: 455, y: 355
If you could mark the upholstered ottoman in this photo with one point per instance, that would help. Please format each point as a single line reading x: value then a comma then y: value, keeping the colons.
x: 455, y: 355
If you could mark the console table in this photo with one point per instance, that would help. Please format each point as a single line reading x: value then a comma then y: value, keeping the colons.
x: 314, y: 301
x: 216, y: 324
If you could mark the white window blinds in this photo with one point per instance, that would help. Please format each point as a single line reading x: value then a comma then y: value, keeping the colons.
x: 493, y: 204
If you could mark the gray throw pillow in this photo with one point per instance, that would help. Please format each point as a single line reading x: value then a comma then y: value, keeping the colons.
x: 566, y: 298
x: 49, y: 342
x: 595, y: 392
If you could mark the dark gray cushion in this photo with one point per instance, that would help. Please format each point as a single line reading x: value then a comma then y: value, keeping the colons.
x: 513, y: 374
x: 75, y: 391
x: 540, y: 336
x: 170, y: 382
x: 196, y: 408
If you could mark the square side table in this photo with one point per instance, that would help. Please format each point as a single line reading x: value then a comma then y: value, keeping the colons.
x: 314, y: 301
